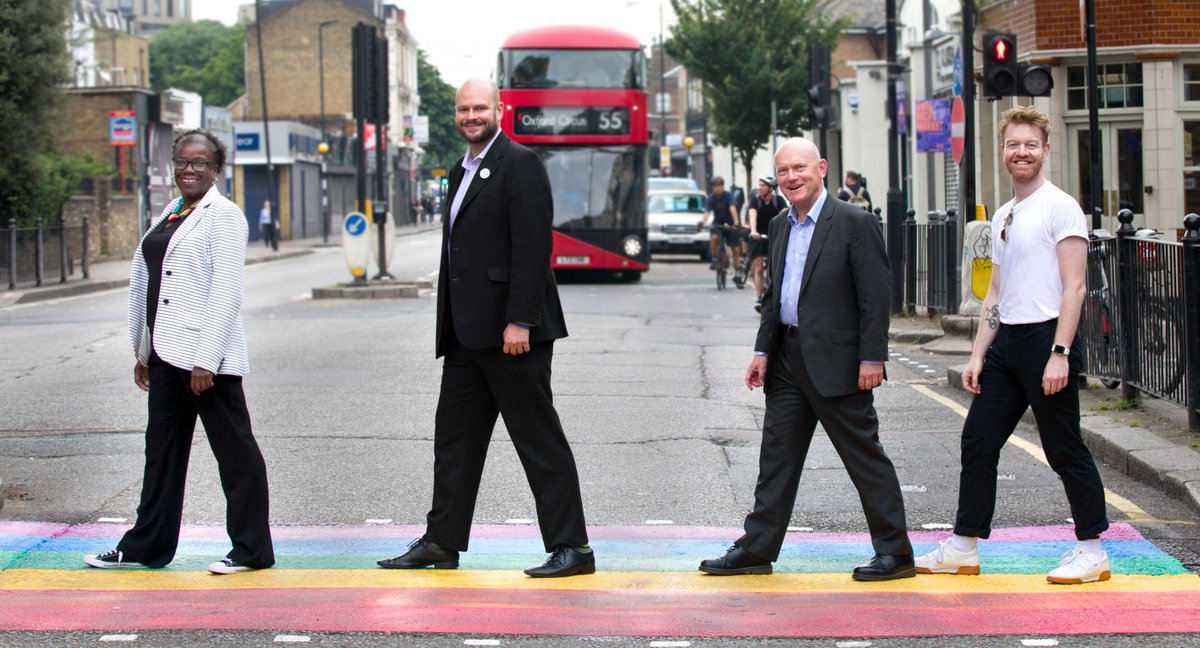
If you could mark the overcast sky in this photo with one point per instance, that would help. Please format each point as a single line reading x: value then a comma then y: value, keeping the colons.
x: 461, y: 37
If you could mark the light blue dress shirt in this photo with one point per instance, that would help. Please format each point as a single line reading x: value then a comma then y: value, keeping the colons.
x: 799, y: 239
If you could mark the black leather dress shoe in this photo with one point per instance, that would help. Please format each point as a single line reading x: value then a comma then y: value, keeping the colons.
x: 565, y: 561
x: 736, y: 561
x: 885, y: 567
x: 422, y: 553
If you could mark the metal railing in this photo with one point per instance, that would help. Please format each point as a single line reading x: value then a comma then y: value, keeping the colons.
x: 931, y: 255
x: 27, y: 253
x: 1141, y: 319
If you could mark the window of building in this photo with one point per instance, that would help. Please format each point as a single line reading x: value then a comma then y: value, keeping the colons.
x: 1120, y: 86
x: 1191, y: 167
x: 1191, y: 82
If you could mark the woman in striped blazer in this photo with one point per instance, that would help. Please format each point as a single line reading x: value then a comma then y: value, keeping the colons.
x: 185, y: 299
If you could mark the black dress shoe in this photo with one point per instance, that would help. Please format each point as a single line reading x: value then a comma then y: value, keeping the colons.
x: 885, y: 567
x: 565, y: 561
x: 736, y: 561
x: 422, y: 553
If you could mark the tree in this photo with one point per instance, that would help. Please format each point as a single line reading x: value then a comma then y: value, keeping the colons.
x: 437, y: 102
x: 35, y: 67
x: 748, y: 53
x: 205, y: 57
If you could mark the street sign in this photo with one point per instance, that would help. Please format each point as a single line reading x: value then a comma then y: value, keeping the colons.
x: 122, y: 128
x: 958, y: 72
x: 438, y: 173
x: 356, y: 244
x: 958, y: 129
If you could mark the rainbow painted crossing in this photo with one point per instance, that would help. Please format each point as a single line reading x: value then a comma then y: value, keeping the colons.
x: 647, y: 585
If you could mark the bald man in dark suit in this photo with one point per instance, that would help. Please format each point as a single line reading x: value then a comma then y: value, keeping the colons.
x: 497, y: 319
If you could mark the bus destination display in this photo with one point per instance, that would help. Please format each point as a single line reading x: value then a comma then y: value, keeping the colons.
x: 555, y: 120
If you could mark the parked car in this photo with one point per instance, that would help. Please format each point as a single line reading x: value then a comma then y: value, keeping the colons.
x: 671, y: 216
x: 671, y: 183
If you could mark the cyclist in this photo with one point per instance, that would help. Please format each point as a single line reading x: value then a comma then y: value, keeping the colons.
x: 764, y: 205
x: 721, y: 206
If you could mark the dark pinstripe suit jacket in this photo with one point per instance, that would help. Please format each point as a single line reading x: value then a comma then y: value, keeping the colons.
x: 496, y: 262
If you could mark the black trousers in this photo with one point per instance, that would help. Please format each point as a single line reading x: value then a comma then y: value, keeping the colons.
x: 478, y: 386
x: 172, y: 423
x: 1012, y: 382
x: 793, y: 410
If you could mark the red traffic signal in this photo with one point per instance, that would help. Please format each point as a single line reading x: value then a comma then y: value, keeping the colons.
x: 999, y: 64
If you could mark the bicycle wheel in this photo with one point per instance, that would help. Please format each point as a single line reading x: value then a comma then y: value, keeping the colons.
x: 722, y: 265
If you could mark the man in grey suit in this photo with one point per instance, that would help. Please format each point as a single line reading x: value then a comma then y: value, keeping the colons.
x: 498, y: 315
x: 821, y: 345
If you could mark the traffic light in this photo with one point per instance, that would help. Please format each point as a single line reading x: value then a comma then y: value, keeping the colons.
x: 445, y: 182
x: 819, y: 91
x: 1000, y: 74
x: 1035, y: 80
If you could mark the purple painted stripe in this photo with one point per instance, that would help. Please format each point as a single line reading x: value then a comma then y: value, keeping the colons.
x: 1061, y: 532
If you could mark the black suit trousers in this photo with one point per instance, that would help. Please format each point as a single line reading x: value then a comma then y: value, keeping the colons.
x: 793, y: 410
x: 477, y: 386
x: 173, y: 409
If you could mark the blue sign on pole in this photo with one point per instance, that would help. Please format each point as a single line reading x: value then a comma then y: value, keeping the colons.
x: 932, y: 119
x: 958, y: 72
x: 356, y: 224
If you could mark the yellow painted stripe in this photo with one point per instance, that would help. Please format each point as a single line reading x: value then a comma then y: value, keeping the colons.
x: 55, y: 579
x: 1132, y: 511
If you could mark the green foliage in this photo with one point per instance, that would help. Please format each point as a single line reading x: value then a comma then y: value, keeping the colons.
x: 33, y: 69
x: 746, y: 54
x: 437, y: 101
x: 205, y: 57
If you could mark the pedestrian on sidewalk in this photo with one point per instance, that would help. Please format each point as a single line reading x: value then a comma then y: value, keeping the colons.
x: 821, y: 346
x: 1028, y: 355
x: 266, y: 224
x: 498, y: 317
x: 185, y: 299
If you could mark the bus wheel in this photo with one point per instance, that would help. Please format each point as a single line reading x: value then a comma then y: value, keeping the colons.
x: 630, y: 276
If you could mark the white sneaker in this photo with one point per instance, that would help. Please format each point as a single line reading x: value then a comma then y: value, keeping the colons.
x: 228, y: 566
x: 1078, y: 565
x: 111, y: 560
x: 948, y: 560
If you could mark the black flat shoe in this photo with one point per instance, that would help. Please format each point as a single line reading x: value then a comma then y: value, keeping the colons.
x: 735, y: 562
x: 565, y: 561
x: 422, y: 553
x: 885, y: 567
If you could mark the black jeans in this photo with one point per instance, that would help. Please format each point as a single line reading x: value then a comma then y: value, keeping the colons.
x: 1012, y: 381
x: 173, y: 410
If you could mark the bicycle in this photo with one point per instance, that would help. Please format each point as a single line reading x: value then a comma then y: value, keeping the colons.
x: 723, y: 253
x: 747, y: 264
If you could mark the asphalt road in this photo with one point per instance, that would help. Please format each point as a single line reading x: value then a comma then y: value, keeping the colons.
x: 649, y: 386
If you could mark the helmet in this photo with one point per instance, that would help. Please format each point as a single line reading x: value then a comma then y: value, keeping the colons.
x: 769, y: 180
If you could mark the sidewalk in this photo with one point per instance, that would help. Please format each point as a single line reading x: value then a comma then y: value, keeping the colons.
x: 114, y: 273
x: 1149, y: 441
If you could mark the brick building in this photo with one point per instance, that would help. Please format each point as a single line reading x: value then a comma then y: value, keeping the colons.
x: 1148, y: 54
x: 151, y: 16
x: 104, y: 50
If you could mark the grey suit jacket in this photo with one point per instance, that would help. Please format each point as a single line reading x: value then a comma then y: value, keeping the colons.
x: 844, y: 296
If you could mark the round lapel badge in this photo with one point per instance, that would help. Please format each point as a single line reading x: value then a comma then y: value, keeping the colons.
x: 485, y: 173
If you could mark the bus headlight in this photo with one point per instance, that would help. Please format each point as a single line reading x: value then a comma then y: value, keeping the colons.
x: 633, y: 246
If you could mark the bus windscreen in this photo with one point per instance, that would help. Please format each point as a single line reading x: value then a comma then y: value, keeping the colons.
x: 596, y: 187
x: 565, y: 68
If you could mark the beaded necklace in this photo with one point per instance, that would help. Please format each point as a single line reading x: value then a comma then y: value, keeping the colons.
x: 179, y: 213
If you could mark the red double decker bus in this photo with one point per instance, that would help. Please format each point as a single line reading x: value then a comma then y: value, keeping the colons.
x: 577, y: 96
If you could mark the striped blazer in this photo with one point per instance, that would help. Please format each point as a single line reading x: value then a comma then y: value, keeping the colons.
x: 198, y: 323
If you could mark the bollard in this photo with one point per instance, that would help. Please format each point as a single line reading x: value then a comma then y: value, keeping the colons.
x: 62, y: 249
x: 910, y: 261
x: 83, y: 264
x: 12, y: 253
x: 1126, y: 255
x: 953, y: 257
x: 1191, y: 316
x: 39, y: 252
x: 933, y: 270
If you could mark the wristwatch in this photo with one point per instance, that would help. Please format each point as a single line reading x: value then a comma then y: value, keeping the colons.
x: 1061, y: 349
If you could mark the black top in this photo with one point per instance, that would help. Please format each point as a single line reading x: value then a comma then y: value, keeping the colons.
x: 154, y: 251
x: 766, y: 211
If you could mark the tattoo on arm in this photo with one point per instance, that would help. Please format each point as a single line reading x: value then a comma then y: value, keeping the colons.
x: 993, y: 318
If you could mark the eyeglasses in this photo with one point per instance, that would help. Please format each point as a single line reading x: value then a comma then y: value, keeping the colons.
x: 1004, y: 227
x: 199, y: 164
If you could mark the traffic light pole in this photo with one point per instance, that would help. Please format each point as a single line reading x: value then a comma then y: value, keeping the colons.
x: 967, y: 180
x: 1093, y: 90
x: 895, y: 196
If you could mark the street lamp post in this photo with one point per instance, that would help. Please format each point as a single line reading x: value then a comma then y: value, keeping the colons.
x: 323, y: 147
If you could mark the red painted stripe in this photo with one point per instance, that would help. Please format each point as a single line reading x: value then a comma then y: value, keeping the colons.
x: 572, y: 612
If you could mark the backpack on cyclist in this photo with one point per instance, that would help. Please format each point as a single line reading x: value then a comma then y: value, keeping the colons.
x: 856, y: 198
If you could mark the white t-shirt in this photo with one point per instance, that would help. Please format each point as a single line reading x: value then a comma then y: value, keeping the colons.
x: 1030, y: 283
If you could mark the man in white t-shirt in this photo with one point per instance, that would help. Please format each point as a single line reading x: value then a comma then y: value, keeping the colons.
x: 1027, y: 355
